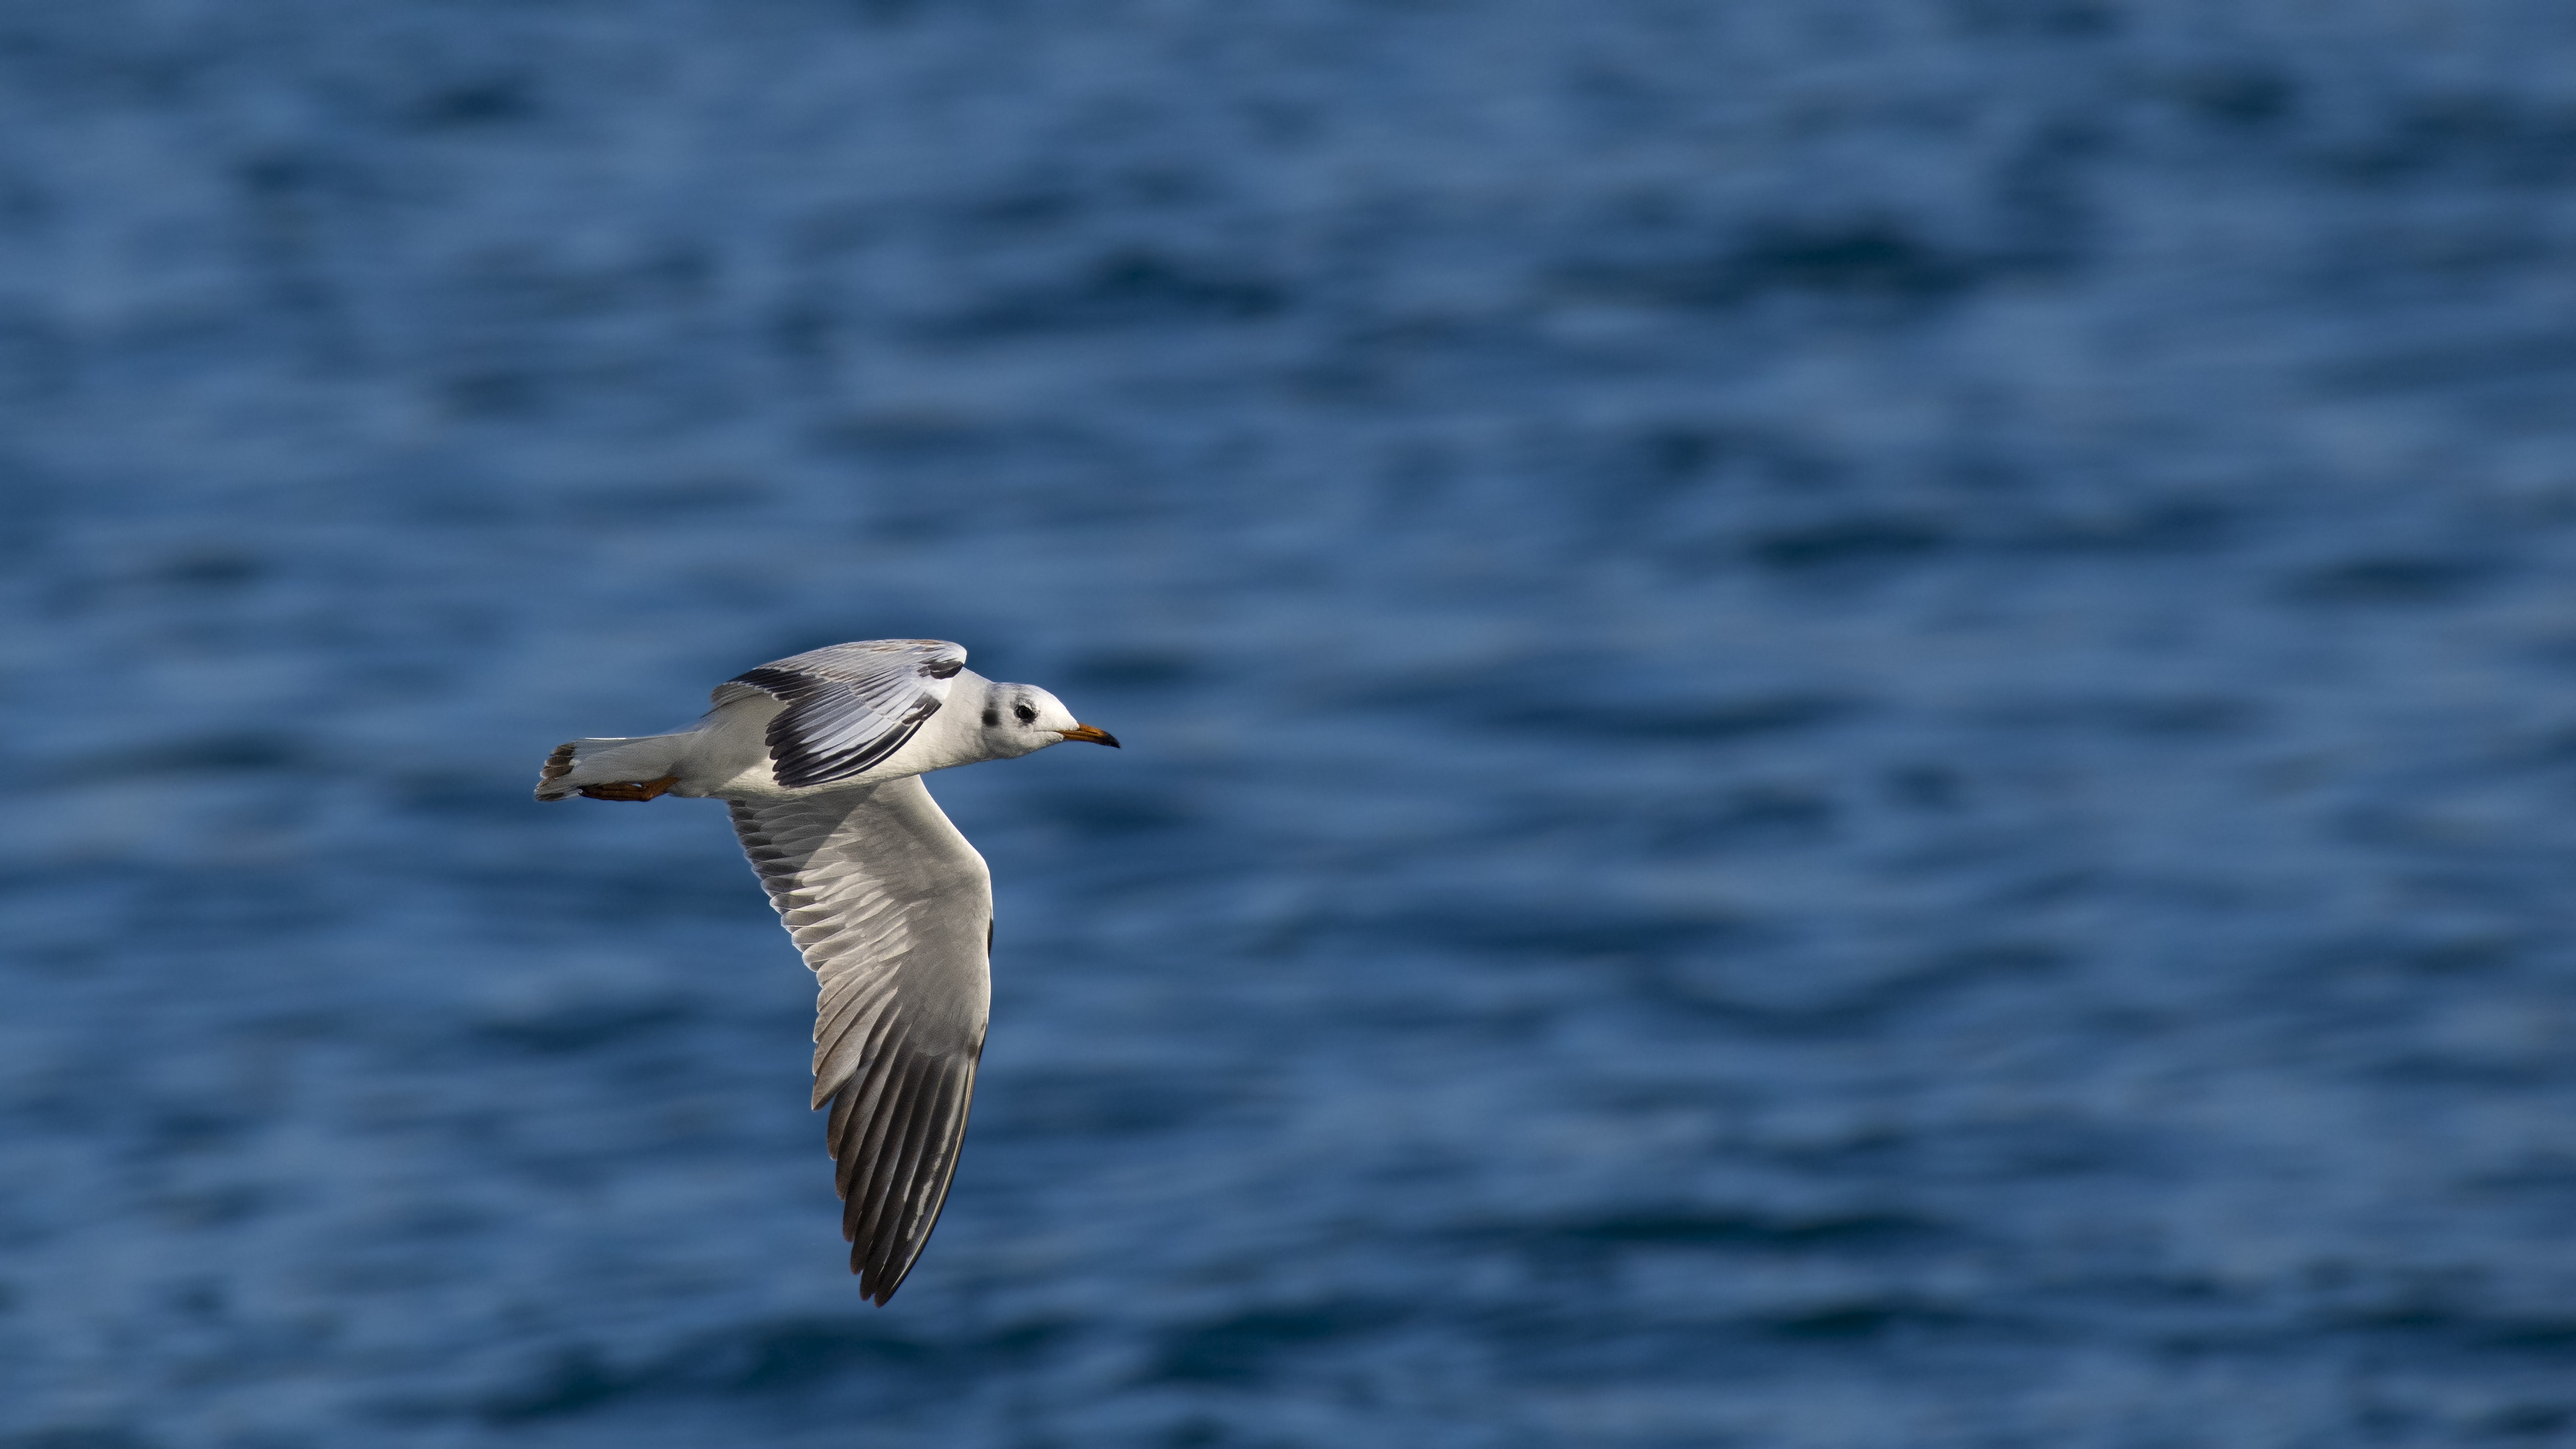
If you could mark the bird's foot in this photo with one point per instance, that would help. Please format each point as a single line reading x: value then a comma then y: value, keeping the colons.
x: 631, y: 790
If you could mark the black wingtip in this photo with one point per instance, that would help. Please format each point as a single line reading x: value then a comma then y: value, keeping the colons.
x: 876, y: 1287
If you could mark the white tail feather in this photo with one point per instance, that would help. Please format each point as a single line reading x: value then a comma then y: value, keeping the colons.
x: 576, y: 763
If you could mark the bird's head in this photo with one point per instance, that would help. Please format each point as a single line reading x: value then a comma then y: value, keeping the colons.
x: 1020, y: 719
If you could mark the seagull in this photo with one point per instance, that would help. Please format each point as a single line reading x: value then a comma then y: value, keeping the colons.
x: 820, y: 758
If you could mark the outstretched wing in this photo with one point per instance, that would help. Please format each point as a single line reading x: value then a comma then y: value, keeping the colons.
x: 894, y: 912
x: 848, y: 706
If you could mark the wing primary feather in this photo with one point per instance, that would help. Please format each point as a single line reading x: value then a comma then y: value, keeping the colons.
x: 874, y: 1094
x: 928, y: 1192
x: 851, y: 1053
x: 860, y: 1214
x: 924, y: 1165
x: 842, y: 1101
x: 876, y: 1237
x: 900, y: 1110
x: 893, y: 1207
x: 888, y: 1209
x: 869, y: 1129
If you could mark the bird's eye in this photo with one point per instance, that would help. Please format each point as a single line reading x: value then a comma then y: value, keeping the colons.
x: 1024, y: 712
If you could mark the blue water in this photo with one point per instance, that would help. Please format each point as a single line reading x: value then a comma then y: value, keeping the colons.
x: 1849, y: 723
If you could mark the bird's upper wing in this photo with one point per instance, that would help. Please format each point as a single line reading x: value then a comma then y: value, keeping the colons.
x: 894, y: 912
x: 848, y: 706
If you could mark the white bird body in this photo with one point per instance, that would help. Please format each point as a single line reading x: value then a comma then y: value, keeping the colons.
x: 726, y: 753
x: 820, y: 757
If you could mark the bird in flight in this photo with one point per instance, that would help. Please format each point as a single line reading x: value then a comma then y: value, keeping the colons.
x: 820, y: 758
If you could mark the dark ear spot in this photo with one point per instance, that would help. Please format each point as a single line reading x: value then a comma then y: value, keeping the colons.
x: 992, y: 717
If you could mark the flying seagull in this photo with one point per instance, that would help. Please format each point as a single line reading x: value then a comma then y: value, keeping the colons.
x: 820, y: 758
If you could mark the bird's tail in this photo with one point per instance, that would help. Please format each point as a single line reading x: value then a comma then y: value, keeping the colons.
x: 576, y: 763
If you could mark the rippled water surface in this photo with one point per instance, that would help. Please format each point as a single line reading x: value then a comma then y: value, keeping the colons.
x: 1849, y: 724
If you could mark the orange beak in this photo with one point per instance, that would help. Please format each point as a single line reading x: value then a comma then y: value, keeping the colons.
x: 1095, y: 736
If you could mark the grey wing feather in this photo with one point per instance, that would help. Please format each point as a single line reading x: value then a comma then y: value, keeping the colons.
x: 848, y: 706
x: 893, y: 910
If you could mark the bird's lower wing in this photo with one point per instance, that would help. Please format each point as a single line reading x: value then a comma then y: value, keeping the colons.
x: 893, y: 910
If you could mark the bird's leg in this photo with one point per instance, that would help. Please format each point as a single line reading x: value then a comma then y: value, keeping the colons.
x: 631, y: 790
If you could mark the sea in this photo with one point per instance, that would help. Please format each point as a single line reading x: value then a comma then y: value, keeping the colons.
x: 1849, y: 724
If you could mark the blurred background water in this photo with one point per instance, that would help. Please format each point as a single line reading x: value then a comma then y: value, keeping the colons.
x: 1850, y: 723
